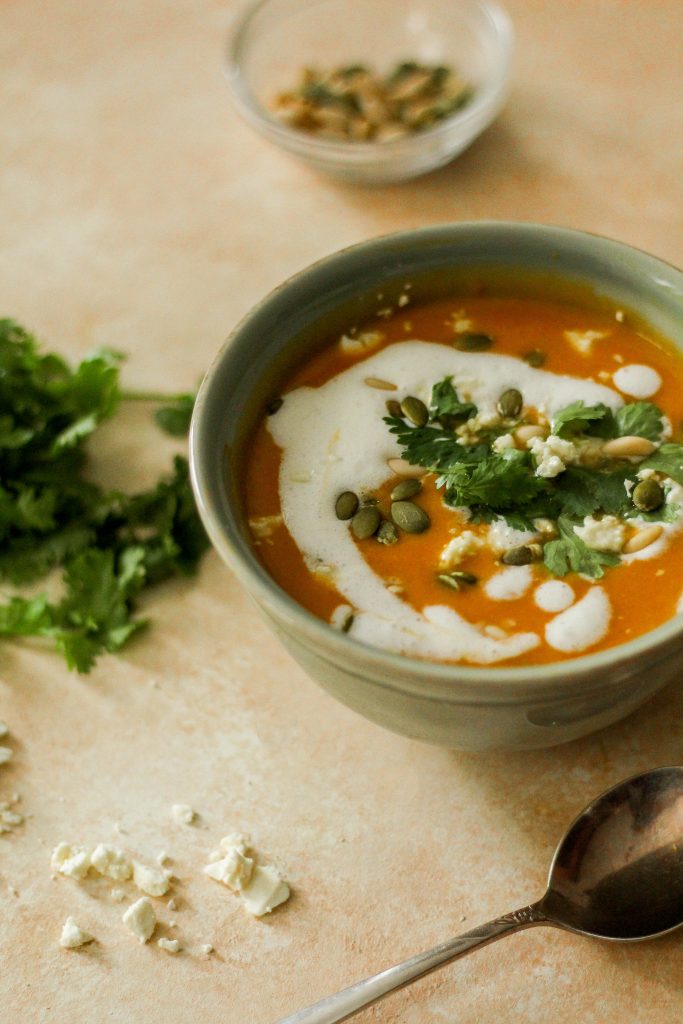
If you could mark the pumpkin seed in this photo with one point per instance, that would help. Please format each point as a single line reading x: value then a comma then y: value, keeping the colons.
x: 524, y: 554
x: 274, y: 406
x: 510, y: 403
x: 535, y: 357
x: 379, y: 384
x: 366, y: 522
x: 473, y: 342
x: 346, y: 505
x: 456, y: 580
x: 394, y: 408
x: 647, y: 495
x: 415, y: 410
x: 387, y: 533
x: 406, y: 489
x: 410, y: 517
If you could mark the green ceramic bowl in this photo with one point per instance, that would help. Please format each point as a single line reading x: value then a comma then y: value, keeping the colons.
x: 456, y: 706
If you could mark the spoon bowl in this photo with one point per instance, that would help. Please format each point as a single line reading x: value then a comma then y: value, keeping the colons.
x: 617, y: 874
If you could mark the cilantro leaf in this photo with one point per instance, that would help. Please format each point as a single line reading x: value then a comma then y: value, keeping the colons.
x: 571, y: 554
x: 581, y: 491
x: 445, y: 403
x: 668, y: 459
x: 640, y: 418
x: 431, y: 447
x: 499, y: 482
x: 578, y: 416
x: 175, y: 418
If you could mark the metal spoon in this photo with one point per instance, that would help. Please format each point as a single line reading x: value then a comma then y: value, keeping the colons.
x: 617, y: 874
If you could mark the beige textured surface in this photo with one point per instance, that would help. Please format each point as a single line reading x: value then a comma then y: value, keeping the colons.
x: 138, y: 212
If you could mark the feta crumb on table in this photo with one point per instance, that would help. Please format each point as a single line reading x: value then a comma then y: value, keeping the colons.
x: 73, y: 861
x: 111, y: 862
x: 183, y: 814
x: 170, y: 945
x: 152, y: 881
x: 262, y: 887
x: 140, y: 919
x: 72, y: 936
x: 5, y: 755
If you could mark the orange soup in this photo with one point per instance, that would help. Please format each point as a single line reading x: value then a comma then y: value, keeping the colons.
x: 482, y: 480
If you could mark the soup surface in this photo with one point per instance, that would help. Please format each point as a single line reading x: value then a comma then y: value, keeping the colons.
x: 539, y: 511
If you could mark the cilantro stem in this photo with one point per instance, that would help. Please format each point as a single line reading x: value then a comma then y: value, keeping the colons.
x: 152, y: 396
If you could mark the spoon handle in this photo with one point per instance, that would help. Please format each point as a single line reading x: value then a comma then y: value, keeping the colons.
x: 349, y: 1001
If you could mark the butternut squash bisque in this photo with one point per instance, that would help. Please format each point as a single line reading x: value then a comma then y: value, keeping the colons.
x: 478, y: 480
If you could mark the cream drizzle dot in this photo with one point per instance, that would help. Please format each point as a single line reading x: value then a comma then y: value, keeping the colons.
x: 637, y: 380
x: 554, y: 596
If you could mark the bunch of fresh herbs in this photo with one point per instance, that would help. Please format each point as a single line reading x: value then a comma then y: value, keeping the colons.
x: 110, y: 545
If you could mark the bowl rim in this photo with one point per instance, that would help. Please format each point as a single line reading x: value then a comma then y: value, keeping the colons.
x: 337, y: 647
x: 487, y: 100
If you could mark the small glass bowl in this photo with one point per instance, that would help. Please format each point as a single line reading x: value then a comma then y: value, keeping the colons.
x: 276, y: 39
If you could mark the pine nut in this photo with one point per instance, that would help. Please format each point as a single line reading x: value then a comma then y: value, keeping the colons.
x: 622, y: 447
x: 643, y: 539
x: 381, y: 385
x: 403, y: 468
x: 527, y: 431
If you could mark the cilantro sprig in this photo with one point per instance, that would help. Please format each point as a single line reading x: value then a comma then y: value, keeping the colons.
x: 110, y: 545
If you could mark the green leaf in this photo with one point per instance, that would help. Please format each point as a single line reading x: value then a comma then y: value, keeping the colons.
x: 445, y: 403
x: 432, y: 447
x: 175, y: 418
x: 579, y: 417
x: 640, y: 418
x: 25, y: 617
x: 570, y: 554
x: 668, y: 459
x: 581, y: 492
x: 499, y: 482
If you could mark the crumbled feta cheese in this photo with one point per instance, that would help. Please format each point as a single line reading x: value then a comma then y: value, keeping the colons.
x: 674, y: 494
x: 72, y: 936
x: 606, y: 534
x: 361, y: 343
x: 111, y: 862
x: 502, y: 537
x: 4, y: 729
x: 140, y: 919
x: 206, y: 948
x: 73, y: 861
x: 170, y: 945
x: 5, y: 755
x: 266, y: 890
x: 150, y: 880
x: 553, y: 454
x: 582, y: 341
x: 9, y: 818
x: 465, y: 544
x: 502, y: 442
x: 231, y: 863
x: 264, y: 526
x: 183, y: 814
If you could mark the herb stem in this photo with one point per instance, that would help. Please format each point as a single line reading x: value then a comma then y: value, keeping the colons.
x: 151, y: 396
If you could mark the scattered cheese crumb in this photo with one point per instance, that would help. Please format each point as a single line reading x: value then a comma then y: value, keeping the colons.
x: 606, y: 534
x: 361, y: 343
x: 264, y: 526
x: 553, y: 454
x: 266, y: 890
x: 5, y: 755
x: 262, y: 887
x: 206, y: 948
x: 502, y: 537
x: 582, y: 341
x: 150, y: 880
x: 73, y: 861
x: 140, y: 919
x: 9, y: 819
x: 162, y: 858
x: 465, y: 544
x: 111, y: 862
x: 170, y: 945
x: 183, y: 814
x: 502, y: 442
x: 4, y: 729
x: 72, y: 936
